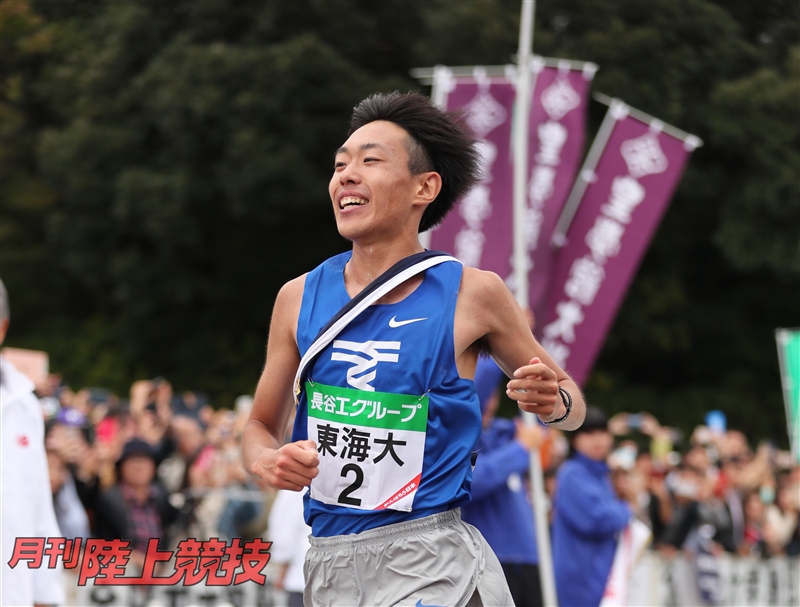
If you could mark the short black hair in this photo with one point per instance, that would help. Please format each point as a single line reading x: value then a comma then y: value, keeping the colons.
x: 595, y: 419
x: 440, y: 141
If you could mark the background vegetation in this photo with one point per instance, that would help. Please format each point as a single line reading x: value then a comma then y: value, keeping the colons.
x: 163, y: 171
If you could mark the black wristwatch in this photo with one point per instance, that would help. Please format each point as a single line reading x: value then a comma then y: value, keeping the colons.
x: 566, y: 398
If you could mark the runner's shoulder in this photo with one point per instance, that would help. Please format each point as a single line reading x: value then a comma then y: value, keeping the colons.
x: 290, y: 298
x: 484, y: 299
x: 481, y: 286
x: 294, y: 288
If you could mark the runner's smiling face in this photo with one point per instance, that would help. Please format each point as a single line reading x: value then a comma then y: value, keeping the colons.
x: 374, y: 194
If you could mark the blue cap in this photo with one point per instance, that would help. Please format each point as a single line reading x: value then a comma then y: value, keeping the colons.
x: 716, y: 421
x: 487, y: 378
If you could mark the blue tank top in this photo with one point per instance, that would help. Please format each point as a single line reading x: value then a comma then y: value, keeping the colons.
x: 395, y: 425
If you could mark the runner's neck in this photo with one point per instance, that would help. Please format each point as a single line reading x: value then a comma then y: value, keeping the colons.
x: 369, y: 262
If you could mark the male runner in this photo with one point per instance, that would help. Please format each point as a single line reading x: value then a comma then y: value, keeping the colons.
x: 388, y: 417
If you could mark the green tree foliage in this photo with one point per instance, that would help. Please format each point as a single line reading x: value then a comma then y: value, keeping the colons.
x: 696, y: 330
x: 164, y: 170
x: 25, y: 199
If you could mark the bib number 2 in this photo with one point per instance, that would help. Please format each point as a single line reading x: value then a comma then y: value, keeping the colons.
x: 371, y: 446
x: 344, y: 496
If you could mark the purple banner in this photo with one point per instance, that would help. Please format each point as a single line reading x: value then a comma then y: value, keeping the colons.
x: 478, y: 231
x: 635, y: 177
x: 557, y: 132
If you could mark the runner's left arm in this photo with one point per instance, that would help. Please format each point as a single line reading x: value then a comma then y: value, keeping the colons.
x: 536, y: 377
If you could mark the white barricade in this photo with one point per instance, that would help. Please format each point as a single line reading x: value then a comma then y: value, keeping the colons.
x: 248, y: 594
x: 728, y: 581
x: 656, y: 582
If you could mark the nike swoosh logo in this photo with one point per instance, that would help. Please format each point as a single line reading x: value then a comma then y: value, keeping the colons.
x: 394, y: 323
x: 419, y: 602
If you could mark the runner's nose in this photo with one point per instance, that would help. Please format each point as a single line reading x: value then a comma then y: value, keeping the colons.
x: 349, y: 174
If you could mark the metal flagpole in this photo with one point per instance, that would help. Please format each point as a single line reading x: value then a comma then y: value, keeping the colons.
x: 520, y: 147
x: 617, y: 110
x: 427, y: 75
x: 692, y: 141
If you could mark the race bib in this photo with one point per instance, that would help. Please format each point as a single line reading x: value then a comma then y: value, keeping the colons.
x: 370, y: 444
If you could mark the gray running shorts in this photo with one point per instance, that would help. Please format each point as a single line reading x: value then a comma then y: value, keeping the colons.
x: 435, y: 561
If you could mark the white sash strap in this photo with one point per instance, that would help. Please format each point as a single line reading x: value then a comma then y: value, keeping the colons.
x: 323, y: 340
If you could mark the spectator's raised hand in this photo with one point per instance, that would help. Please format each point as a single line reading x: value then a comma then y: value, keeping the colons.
x: 68, y: 442
x: 650, y: 425
x: 618, y: 424
x: 140, y: 395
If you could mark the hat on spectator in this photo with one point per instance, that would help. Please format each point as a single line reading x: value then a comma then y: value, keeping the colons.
x: 487, y: 379
x: 595, y: 420
x: 70, y: 417
x: 134, y: 447
x: 99, y: 395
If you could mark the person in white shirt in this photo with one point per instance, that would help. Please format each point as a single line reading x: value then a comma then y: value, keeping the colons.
x: 27, y: 503
x: 289, y: 534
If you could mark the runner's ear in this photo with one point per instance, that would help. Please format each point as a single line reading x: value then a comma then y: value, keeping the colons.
x: 430, y: 184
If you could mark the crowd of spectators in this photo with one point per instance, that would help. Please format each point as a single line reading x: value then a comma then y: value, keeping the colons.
x: 709, y: 491
x: 157, y: 464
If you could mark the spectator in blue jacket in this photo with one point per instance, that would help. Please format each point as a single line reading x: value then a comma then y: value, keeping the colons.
x: 588, y: 516
x: 500, y: 507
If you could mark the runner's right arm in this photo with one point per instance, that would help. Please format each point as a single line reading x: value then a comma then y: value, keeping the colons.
x: 293, y: 465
